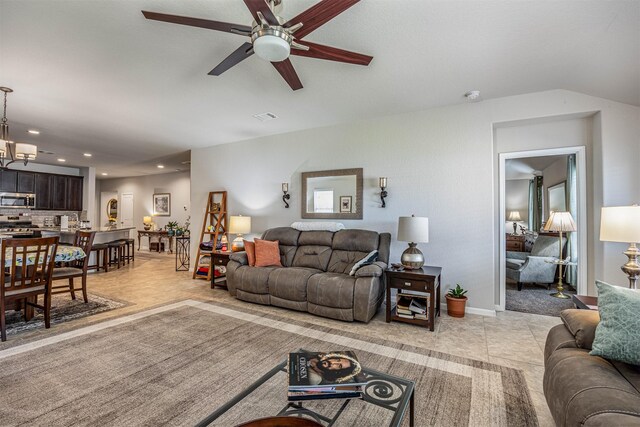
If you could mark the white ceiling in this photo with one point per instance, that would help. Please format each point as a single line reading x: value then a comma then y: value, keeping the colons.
x: 95, y: 76
x: 527, y: 167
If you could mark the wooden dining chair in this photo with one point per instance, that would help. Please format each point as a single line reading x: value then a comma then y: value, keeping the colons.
x: 27, y: 265
x: 77, y: 268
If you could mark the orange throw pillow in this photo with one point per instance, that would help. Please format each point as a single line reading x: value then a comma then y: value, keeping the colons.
x: 267, y: 253
x: 250, y: 249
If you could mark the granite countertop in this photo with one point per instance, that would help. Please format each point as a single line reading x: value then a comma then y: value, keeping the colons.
x: 96, y: 229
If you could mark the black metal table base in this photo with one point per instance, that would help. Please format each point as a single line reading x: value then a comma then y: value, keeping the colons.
x: 183, y: 256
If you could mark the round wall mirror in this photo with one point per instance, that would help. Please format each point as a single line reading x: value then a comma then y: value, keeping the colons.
x: 112, y: 210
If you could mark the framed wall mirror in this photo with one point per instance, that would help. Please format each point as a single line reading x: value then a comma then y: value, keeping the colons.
x: 112, y: 210
x: 557, y: 198
x: 333, y: 194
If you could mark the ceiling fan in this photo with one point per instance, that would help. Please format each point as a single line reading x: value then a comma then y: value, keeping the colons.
x: 274, y: 38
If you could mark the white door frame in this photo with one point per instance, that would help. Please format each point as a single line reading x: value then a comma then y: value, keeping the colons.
x: 581, y: 175
x: 121, y: 209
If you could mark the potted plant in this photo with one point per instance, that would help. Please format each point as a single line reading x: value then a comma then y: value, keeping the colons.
x: 171, y: 227
x: 456, y: 301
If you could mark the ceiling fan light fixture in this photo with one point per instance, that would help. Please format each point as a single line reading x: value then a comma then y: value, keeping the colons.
x: 271, y: 44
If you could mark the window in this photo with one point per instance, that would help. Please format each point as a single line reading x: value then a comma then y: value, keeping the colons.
x: 323, y: 201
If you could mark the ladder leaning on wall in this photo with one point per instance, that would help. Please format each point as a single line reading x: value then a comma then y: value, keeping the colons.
x: 214, y: 226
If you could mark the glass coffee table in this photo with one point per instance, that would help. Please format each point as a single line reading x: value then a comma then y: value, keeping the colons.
x: 385, y: 401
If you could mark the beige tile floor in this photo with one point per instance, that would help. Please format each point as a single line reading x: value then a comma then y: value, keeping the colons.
x: 510, y: 339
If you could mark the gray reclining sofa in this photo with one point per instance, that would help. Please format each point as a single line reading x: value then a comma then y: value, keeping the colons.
x: 315, y: 274
x: 585, y: 390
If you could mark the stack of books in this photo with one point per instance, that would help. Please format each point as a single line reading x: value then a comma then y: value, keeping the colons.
x: 411, y: 307
x: 333, y: 375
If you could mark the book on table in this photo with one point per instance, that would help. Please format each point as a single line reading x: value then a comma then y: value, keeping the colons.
x: 412, y: 305
x: 331, y: 375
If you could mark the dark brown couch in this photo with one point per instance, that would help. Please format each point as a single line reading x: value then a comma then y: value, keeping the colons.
x: 315, y: 273
x: 585, y: 390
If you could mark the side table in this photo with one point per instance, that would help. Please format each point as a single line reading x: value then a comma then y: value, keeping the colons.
x: 183, y: 257
x: 585, y: 302
x: 219, y: 258
x: 422, y: 284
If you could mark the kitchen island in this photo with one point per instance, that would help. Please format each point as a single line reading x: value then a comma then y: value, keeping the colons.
x: 103, y: 234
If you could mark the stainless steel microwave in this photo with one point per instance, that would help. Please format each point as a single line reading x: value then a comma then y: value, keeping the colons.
x: 18, y: 200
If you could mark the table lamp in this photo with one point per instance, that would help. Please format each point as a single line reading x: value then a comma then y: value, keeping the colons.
x: 239, y: 225
x: 413, y: 229
x: 622, y: 224
x: 147, y: 223
x: 514, y: 216
x: 560, y: 221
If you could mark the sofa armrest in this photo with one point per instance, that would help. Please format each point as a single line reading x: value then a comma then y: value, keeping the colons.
x: 582, y: 325
x: 372, y: 270
x: 518, y: 255
x: 239, y: 257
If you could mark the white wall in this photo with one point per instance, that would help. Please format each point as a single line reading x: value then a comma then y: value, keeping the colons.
x: 440, y: 163
x: 517, y: 199
x: 143, y: 187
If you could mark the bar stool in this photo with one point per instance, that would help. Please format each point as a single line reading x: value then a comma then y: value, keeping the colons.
x: 129, y: 250
x: 116, y: 253
x: 101, y: 250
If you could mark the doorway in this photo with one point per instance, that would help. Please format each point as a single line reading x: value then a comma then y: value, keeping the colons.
x: 126, y: 203
x: 533, y: 184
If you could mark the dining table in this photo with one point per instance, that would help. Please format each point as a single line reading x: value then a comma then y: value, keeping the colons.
x: 64, y: 253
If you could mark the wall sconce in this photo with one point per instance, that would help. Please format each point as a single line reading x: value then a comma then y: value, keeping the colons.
x: 383, y: 192
x: 286, y: 196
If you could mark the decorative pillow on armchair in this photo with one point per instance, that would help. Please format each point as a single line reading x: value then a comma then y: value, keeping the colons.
x: 369, y: 258
x: 618, y: 333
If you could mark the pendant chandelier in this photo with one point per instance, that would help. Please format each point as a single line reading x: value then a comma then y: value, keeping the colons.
x: 10, y: 151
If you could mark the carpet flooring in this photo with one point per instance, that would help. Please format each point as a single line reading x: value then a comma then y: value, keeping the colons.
x: 536, y: 299
x: 63, y: 309
x: 176, y: 364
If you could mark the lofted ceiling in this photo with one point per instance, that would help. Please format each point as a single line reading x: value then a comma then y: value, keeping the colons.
x: 95, y: 76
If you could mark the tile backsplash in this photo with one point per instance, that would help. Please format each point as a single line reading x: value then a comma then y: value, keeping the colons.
x: 37, y: 216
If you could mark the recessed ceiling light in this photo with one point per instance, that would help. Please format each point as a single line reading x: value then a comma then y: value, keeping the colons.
x: 34, y: 132
x: 62, y: 160
x: 160, y: 166
x: 88, y: 154
x: 104, y: 174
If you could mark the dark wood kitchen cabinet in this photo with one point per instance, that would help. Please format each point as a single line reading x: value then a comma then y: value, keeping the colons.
x: 44, y: 190
x: 26, y: 182
x: 8, y: 181
x: 59, y: 193
x: 74, y: 193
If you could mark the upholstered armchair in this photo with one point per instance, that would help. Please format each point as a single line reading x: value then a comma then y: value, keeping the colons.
x: 532, y: 267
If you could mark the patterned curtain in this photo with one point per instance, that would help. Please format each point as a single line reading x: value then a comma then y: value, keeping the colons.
x: 535, y: 204
x: 572, y: 207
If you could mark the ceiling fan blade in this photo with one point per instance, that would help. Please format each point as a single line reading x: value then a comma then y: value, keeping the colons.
x: 332, y: 54
x: 286, y: 70
x: 261, y: 6
x: 238, y: 55
x: 318, y: 15
x: 201, y: 23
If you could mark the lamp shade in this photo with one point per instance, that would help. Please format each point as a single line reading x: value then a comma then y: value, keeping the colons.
x: 240, y: 224
x: 146, y: 219
x: 413, y: 229
x: 620, y: 224
x: 514, y: 216
x: 560, y: 221
x: 26, y: 151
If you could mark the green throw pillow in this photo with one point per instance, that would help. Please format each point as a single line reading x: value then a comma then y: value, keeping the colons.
x: 618, y: 333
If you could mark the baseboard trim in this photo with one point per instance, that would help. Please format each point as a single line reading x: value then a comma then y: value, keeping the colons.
x: 472, y: 310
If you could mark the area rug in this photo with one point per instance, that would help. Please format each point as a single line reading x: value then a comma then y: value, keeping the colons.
x: 63, y: 309
x: 176, y: 364
x: 536, y: 299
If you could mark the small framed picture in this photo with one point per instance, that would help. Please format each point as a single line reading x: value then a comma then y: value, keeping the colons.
x: 345, y: 204
x: 162, y: 204
x: 216, y: 207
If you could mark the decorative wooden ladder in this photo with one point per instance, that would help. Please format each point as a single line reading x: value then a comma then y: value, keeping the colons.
x: 214, y: 225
